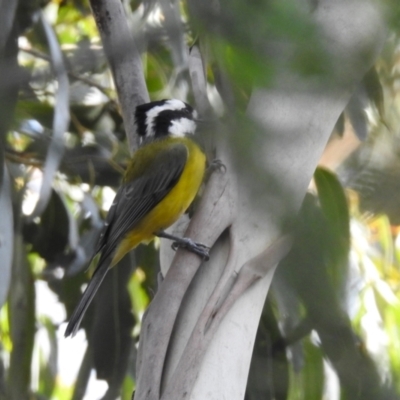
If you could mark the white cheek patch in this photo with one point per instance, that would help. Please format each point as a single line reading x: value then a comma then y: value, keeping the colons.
x: 181, y: 127
x: 173, y: 104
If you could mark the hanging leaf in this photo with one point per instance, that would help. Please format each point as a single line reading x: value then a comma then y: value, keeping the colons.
x: 91, y: 164
x: 48, y: 362
x: 60, y: 122
x: 339, y: 126
x: 313, y: 372
x: 88, y: 239
x: 334, y: 207
x: 21, y: 313
x: 355, y: 110
x: 374, y: 90
x: 6, y: 235
x: 113, y: 318
x: 50, y: 236
x: 269, y: 368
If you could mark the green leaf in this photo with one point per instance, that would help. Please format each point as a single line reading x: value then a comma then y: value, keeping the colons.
x: 374, y: 90
x: 128, y: 387
x: 245, y: 67
x: 383, y: 232
x: 6, y: 235
x: 313, y: 372
x: 308, y: 384
x: 139, y: 297
x: 60, y: 122
x: 156, y: 74
x: 48, y: 363
x: 22, y: 323
x: 392, y: 328
x: 333, y: 203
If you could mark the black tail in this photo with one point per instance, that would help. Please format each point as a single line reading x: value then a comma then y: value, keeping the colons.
x: 87, y: 297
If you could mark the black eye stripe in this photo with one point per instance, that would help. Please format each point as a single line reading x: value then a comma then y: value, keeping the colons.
x: 174, y: 114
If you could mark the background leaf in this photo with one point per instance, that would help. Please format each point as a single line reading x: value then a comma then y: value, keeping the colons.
x: 6, y: 235
x: 60, y: 122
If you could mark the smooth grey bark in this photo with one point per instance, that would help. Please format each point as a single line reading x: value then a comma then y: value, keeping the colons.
x: 7, y: 14
x: 295, y: 120
x: 124, y: 59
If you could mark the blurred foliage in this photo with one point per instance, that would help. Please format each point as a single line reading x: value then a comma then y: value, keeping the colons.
x: 340, y: 284
x: 330, y: 327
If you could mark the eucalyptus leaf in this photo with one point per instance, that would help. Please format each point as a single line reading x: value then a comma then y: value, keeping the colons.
x: 91, y: 164
x: 111, y: 349
x: 6, y: 235
x: 374, y: 90
x: 48, y: 366
x: 51, y: 235
x: 313, y: 372
x: 333, y: 203
x: 60, y: 122
x: 22, y: 322
x: 355, y: 110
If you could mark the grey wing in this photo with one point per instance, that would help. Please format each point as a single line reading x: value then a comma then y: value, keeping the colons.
x: 136, y: 198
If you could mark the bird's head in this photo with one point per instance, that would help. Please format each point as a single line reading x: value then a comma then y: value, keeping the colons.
x: 163, y: 118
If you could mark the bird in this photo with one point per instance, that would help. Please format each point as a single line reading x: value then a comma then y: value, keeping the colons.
x: 162, y: 179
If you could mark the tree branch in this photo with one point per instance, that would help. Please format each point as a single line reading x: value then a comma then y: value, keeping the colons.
x: 248, y: 203
x: 216, y: 211
x: 71, y: 74
x: 183, y: 379
x: 124, y: 59
x: 199, y: 82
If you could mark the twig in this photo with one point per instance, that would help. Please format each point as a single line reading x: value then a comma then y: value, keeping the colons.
x: 199, y: 82
x: 71, y: 74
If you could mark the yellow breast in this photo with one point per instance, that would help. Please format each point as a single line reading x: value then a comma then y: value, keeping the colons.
x: 174, y: 204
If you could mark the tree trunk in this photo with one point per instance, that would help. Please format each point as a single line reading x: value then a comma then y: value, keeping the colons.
x: 196, y: 340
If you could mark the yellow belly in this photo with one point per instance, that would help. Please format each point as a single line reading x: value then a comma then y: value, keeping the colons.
x: 175, y: 203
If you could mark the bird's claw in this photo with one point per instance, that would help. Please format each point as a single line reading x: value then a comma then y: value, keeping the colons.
x: 217, y: 165
x: 197, y: 248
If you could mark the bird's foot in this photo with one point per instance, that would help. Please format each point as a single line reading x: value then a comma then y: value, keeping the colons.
x: 216, y: 165
x: 197, y: 248
x: 186, y: 243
